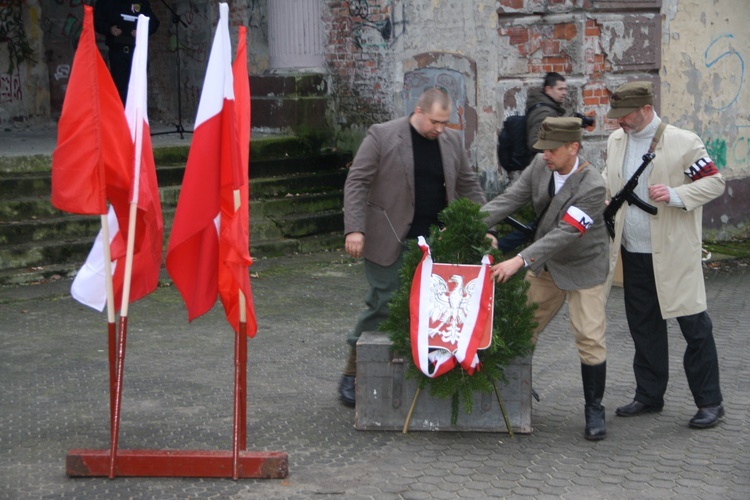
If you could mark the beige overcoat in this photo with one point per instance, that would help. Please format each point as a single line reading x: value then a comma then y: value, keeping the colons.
x: 676, y: 233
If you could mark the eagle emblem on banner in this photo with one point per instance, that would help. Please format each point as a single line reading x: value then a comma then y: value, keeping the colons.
x: 451, y: 301
x: 451, y: 308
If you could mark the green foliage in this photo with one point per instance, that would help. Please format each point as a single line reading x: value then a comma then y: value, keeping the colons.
x: 463, y: 241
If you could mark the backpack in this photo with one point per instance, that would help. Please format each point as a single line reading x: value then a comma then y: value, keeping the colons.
x: 511, y: 142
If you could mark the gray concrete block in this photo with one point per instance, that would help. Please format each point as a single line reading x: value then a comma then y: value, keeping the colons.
x: 384, y: 396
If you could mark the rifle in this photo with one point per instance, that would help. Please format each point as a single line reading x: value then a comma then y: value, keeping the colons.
x: 528, y: 231
x: 627, y: 194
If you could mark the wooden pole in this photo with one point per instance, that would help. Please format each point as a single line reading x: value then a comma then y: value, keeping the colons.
x: 140, y: 89
x: 411, y: 410
x: 502, y: 409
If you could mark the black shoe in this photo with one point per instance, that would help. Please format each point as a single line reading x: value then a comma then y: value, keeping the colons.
x: 346, y: 390
x: 636, y: 408
x: 707, y: 417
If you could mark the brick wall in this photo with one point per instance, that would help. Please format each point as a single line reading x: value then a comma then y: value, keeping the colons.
x: 358, y: 58
x: 596, y: 45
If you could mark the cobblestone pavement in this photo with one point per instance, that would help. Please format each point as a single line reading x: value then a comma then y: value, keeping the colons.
x: 178, y: 395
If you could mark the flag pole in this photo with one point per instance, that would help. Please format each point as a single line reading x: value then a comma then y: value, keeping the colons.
x: 139, y: 88
x: 111, y: 325
x: 126, y: 295
x: 122, y: 338
x: 239, y: 440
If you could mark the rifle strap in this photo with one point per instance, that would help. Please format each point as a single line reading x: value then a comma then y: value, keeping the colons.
x: 551, y: 192
x: 657, y: 136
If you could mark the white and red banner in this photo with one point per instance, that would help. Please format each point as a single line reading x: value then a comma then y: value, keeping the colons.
x: 451, y: 309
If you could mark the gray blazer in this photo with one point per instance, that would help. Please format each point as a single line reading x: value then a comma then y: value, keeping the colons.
x: 379, y: 190
x: 574, y: 260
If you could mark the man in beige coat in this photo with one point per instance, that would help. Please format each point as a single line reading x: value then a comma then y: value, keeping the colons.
x: 661, y: 254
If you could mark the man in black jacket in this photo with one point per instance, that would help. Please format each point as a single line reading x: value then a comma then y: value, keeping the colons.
x: 117, y: 20
x: 543, y: 103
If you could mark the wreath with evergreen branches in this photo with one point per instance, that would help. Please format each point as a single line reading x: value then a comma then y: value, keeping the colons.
x: 464, y: 241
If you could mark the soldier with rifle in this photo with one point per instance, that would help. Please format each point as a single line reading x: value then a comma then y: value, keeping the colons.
x: 661, y: 249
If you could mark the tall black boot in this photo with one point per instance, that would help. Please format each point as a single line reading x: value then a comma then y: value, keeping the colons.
x: 594, y: 379
x: 347, y: 386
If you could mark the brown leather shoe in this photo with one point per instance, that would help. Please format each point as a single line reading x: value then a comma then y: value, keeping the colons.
x: 636, y: 408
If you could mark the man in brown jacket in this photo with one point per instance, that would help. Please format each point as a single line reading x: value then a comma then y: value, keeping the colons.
x: 404, y: 173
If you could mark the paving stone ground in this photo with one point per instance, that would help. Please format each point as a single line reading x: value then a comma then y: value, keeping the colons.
x: 178, y: 395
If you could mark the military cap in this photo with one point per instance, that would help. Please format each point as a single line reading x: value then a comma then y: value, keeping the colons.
x: 556, y: 131
x: 630, y: 96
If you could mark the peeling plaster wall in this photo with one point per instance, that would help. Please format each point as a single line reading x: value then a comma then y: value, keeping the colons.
x: 596, y: 44
x: 705, y: 85
x: 705, y: 88
x: 466, y: 30
x: 377, y: 51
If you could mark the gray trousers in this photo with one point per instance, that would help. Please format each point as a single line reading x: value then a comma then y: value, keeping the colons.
x: 384, y: 281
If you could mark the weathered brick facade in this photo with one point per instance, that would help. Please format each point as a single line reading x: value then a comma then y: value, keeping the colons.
x: 488, y: 53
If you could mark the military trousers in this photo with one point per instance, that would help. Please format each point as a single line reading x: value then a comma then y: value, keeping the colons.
x: 587, y: 317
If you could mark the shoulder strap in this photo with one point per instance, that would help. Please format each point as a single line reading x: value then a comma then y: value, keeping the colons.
x: 546, y: 104
x: 657, y: 136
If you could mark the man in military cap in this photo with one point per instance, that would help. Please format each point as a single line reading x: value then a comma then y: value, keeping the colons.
x: 569, y: 253
x: 661, y: 254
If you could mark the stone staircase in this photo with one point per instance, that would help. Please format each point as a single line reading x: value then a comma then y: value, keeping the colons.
x: 295, y: 206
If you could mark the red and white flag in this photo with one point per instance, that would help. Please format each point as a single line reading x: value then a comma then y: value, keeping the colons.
x: 234, y: 241
x: 92, y: 147
x: 132, y: 181
x: 451, y: 309
x: 208, y: 248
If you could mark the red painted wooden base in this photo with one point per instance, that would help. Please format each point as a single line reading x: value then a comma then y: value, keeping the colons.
x: 178, y: 463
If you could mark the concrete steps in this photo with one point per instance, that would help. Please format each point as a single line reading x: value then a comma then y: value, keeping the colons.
x: 295, y: 206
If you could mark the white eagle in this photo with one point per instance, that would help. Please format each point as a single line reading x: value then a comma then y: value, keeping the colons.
x: 449, y: 307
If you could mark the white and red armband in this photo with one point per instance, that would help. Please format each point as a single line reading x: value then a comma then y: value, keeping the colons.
x: 701, y: 168
x: 578, y: 219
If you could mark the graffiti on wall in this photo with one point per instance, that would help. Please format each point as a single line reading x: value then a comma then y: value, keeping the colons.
x: 376, y: 25
x: 10, y: 88
x: 730, y: 144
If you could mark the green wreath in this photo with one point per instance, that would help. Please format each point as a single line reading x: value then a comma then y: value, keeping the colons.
x: 464, y: 241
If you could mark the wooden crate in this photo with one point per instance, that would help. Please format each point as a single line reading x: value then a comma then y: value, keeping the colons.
x: 384, y: 396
